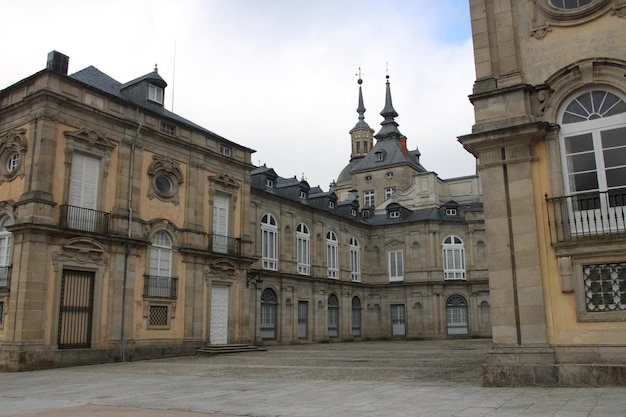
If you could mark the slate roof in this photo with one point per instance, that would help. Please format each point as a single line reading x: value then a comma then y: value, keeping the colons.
x: 95, y: 78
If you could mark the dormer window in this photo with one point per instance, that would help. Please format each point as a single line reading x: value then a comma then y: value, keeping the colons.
x: 353, y: 212
x: 450, y: 212
x: 302, y: 194
x: 365, y: 212
x: 331, y: 204
x: 379, y: 156
x: 155, y: 94
x: 394, y: 214
x: 269, y: 183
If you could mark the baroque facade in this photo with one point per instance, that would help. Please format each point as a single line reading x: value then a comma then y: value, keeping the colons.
x: 550, y: 138
x: 129, y: 232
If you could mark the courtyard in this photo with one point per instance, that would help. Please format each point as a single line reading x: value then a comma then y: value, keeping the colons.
x: 377, y: 378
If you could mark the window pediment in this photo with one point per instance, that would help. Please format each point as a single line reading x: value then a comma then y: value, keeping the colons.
x: 91, y: 137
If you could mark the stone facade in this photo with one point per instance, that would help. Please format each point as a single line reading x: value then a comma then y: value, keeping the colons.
x: 550, y: 138
x: 128, y: 232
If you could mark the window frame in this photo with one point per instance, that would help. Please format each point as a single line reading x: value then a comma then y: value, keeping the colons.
x: 396, y: 265
x: 332, y: 255
x: 155, y: 93
x: 355, y: 260
x: 454, y: 267
x: 369, y: 198
x: 303, y: 249
x: 269, y: 242
x: 572, y: 134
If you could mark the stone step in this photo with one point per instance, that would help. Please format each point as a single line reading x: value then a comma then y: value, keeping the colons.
x: 210, y: 350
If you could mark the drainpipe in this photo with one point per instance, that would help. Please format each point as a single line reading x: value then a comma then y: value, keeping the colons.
x: 130, y: 223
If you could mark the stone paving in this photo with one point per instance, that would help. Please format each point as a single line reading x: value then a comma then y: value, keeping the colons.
x: 392, y: 378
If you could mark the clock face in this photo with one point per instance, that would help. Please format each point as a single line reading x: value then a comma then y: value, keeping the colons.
x: 569, y: 4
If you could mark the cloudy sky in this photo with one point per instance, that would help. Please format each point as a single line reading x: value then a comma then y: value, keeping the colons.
x: 278, y: 76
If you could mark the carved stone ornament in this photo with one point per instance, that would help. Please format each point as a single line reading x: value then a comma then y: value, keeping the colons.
x: 223, y: 269
x: 545, y: 15
x: 91, y: 141
x: 394, y: 243
x: 81, y: 251
x: 165, y: 170
x: 13, y: 148
x: 225, y: 180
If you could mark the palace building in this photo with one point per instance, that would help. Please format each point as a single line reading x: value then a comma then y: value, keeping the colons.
x: 550, y: 138
x: 129, y: 232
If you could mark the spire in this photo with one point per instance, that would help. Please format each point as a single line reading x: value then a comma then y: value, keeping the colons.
x: 389, y: 127
x: 361, y: 134
x: 361, y: 108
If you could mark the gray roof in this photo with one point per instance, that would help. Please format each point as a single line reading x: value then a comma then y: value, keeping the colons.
x: 95, y: 78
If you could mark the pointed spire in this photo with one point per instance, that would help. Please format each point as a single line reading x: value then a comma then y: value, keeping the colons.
x: 389, y: 127
x: 361, y: 107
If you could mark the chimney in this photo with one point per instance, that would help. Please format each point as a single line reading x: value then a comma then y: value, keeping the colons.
x: 58, y: 63
x: 403, y: 148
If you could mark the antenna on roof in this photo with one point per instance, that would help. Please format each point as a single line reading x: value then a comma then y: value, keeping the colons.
x: 174, y: 76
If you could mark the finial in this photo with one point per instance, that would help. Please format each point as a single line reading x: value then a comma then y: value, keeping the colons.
x: 360, y: 81
x: 387, y: 70
x: 156, y: 68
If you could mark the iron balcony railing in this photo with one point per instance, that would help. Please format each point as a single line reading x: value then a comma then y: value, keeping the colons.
x: 161, y: 287
x: 88, y: 220
x: 225, y: 244
x: 5, y: 275
x: 586, y: 215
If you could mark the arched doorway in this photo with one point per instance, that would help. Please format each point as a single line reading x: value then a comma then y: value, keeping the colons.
x: 456, y: 314
x: 269, y: 301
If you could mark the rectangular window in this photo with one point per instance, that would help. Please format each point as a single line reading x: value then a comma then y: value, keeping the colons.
x: 157, y: 316
x: 331, y: 259
x: 394, y: 214
x: 167, y: 128
x: 269, y: 183
x: 368, y: 198
x: 605, y: 287
x: 398, y: 321
x: 355, y: 264
x: 225, y: 150
x: 268, y: 249
x: 221, y: 207
x: 303, y: 245
x: 379, y: 156
x: 1, y: 313
x: 155, y: 94
x: 450, y: 212
x: 389, y: 192
x: 396, y: 271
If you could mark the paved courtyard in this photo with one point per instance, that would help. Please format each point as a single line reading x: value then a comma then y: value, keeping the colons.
x: 399, y: 378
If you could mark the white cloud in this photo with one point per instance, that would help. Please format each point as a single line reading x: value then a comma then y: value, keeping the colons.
x: 277, y: 76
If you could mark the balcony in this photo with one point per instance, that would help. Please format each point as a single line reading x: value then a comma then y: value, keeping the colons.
x: 225, y: 244
x: 580, y: 216
x: 5, y: 275
x: 87, y: 220
x: 160, y: 287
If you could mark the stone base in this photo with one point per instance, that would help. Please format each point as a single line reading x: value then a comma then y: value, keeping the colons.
x: 537, y: 366
x: 29, y: 357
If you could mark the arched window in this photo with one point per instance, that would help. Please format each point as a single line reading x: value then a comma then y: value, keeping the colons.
x: 303, y: 249
x: 593, y: 145
x: 6, y: 242
x: 159, y: 281
x: 356, y: 317
x: 269, y: 300
x: 333, y: 316
x: 569, y: 4
x: 355, y: 260
x: 456, y: 314
x: 332, y: 258
x: 453, y: 258
x: 269, y: 242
